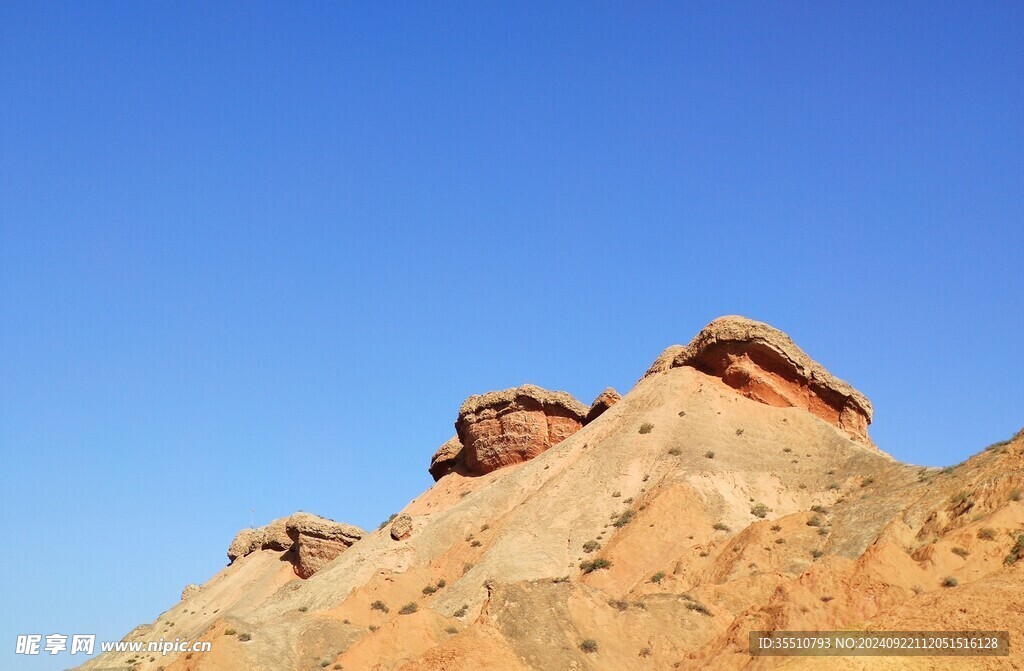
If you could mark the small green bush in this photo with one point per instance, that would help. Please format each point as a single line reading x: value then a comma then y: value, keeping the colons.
x: 817, y: 554
x: 760, y: 510
x: 720, y: 526
x: 452, y: 630
x: 675, y: 451
x: 710, y: 454
x: 595, y: 564
x: 950, y: 581
x: 1016, y: 495
x: 814, y: 521
x: 646, y: 427
x: 590, y: 546
x: 373, y: 628
x: 244, y: 637
x: 409, y: 608
x: 987, y: 534
x: 867, y: 482
x: 623, y: 519
x: 230, y: 632
x: 658, y: 577
x: 819, y: 509
x: 960, y: 552
x: 588, y: 645
x: 1016, y: 552
x: 381, y: 606
x: 429, y: 589
x: 461, y: 612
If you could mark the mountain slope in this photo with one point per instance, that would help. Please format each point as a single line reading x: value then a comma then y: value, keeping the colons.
x: 722, y: 494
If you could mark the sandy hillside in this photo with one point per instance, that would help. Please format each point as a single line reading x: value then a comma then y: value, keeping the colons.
x: 734, y: 488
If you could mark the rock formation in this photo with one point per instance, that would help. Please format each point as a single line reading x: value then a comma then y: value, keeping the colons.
x: 604, y: 400
x: 501, y: 428
x: 401, y: 527
x: 764, y: 364
x: 316, y: 541
x: 189, y: 590
x: 446, y: 459
x: 312, y: 540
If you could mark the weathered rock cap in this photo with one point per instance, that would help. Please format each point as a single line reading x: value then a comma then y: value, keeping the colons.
x: 604, y: 400
x: 447, y: 458
x: 312, y: 541
x: 501, y: 428
x: 764, y: 364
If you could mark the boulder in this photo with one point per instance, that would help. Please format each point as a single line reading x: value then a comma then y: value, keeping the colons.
x: 501, y: 428
x: 764, y: 364
x: 316, y: 541
x: 246, y: 542
x: 447, y: 458
x: 604, y: 400
x: 401, y: 527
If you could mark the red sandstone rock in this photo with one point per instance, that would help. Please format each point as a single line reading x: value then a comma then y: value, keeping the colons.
x: 507, y: 427
x: 764, y: 364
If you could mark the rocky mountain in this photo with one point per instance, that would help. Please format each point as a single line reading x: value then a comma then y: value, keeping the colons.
x: 734, y: 488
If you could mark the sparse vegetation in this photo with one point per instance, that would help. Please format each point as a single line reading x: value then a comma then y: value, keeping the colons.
x: 832, y: 486
x: 826, y: 599
x: 720, y: 526
x: 760, y: 510
x: 739, y: 432
x: 819, y: 509
x: 1016, y: 552
x: 814, y: 521
x: 787, y: 449
x: 959, y: 498
x: 710, y: 454
x: 589, y: 566
x: 1016, y: 495
x: 780, y: 541
x: 230, y: 632
x: 645, y: 652
x: 646, y: 427
x: 817, y: 554
x: 461, y: 612
x: 616, y: 494
x: 950, y: 581
x: 588, y: 645
x: 243, y: 637
x: 388, y: 521
x: 960, y: 552
x: 429, y: 589
x: 698, y: 606
x: 475, y: 544
x: 452, y: 630
x: 303, y: 609
x: 381, y: 606
x: 409, y: 608
x: 675, y: 451
x: 618, y: 604
x: 623, y: 519
x: 590, y: 546
x: 442, y: 583
x: 822, y: 531
x: 986, y: 534
x: 658, y: 577
x: 776, y: 527
x: 866, y: 482
x: 373, y: 628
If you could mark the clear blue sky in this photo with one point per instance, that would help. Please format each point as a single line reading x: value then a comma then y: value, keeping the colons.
x: 255, y: 255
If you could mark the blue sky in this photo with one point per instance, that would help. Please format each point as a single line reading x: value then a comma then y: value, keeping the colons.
x: 253, y: 256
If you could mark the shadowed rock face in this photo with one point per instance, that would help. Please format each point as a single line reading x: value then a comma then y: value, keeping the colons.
x: 317, y: 541
x: 604, y: 400
x: 507, y: 427
x: 312, y: 540
x: 447, y: 458
x: 764, y: 364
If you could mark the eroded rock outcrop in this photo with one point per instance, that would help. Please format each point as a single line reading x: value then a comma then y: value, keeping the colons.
x: 401, y: 527
x: 312, y: 541
x: 316, y: 541
x: 764, y: 364
x: 604, y: 400
x: 447, y: 458
x: 507, y: 427
x: 190, y: 589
